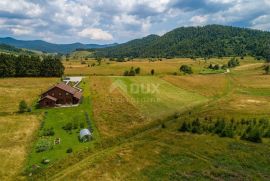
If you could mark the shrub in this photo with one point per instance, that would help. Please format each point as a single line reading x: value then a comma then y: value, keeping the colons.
x: 138, y: 70
x: 69, y: 150
x: 43, y: 145
x: 267, y: 69
x: 125, y: 73
x: 216, y: 67
x: 227, y: 132
x: 23, y: 106
x: 48, y: 132
x: 252, y: 135
x: 186, y: 69
x: 152, y: 72
x: 68, y: 126
x: 184, y: 127
x: 233, y: 63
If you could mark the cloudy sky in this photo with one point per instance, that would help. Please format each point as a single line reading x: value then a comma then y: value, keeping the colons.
x: 108, y: 21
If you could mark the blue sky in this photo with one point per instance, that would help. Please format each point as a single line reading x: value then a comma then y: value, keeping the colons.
x: 108, y: 21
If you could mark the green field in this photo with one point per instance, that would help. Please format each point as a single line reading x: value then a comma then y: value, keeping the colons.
x: 136, y: 122
x: 57, y: 118
x: 156, y: 97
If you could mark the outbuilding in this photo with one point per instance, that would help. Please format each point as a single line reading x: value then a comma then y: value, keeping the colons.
x: 85, y: 135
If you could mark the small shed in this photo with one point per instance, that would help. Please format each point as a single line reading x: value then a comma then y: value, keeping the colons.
x: 85, y: 135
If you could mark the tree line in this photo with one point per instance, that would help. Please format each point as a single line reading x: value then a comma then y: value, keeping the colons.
x: 30, y: 66
x: 247, y: 129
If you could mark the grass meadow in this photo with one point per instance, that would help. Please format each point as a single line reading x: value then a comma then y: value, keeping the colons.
x: 157, y: 98
x: 136, y: 122
x: 17, y: 130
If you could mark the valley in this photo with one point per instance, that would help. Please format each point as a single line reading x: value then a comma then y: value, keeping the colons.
x: 136, y: 121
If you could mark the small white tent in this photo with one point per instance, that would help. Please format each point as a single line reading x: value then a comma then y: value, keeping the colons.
x: 85, y: 135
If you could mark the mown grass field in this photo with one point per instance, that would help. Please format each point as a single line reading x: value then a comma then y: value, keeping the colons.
x: 166, y: 154
x: 136, y: 123
x: 157, y: 98
x: 166, y: 66
x: 17, y: 130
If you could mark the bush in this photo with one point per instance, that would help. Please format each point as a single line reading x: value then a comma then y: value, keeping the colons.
x: 43, y: 145
x: 69, y: 150
x: 48, y: 132
x: 152, y: 72
x: 23, y: 106
x: 68, y: 126
x: 227, y: 132
x: 252, y: 135
x: 267, y: 69
x: 186, y: 69
x: 138, y: 70
x: 233, y: 63
x: 184, y: 127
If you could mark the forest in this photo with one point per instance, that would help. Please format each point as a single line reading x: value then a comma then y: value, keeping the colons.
x: 30, y: 66
x: 208, y: 41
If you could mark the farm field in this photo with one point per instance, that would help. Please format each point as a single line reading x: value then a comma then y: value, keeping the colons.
x: 164, y: 154
x: 156, y: 97
x: 166, y: 66
x: 160, y: 151
x: 13, y: 90
x: 136, y: 121
x: 17, y: 130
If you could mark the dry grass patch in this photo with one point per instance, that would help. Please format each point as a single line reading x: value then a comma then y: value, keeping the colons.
x: 207, y: 85
x: 13, y: 90
x: 113, y: 113
x: 16, y: 133
x: 117, y: 68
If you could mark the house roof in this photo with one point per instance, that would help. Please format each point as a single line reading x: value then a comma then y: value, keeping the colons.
x: 67, y: 88
x: 78, y: 95
x: 49, y: 97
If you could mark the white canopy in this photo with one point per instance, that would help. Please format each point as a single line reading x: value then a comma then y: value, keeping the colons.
x: 84, y: 132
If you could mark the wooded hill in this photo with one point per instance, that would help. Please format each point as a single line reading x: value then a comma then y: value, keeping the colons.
x: 13, y: 50
x: 207, y: 41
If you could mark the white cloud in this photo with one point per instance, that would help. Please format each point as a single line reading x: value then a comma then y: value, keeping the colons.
x: 21, y: 31
x: 199, y: 20
x: 262, y: 22
x: 95, y: 34
x: 65, y: 21
x: 20, y: 6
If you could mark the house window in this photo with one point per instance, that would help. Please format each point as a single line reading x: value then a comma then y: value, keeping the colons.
x: 67, y: 94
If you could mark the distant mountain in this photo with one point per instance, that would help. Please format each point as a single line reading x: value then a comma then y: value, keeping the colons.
x: 44, y: 46
x: 207, y: 41
x: 11, y: 49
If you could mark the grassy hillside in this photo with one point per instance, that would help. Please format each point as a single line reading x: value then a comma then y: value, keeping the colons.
x: 136, y: 124
x: 17, y: 130
x: 140, y: 142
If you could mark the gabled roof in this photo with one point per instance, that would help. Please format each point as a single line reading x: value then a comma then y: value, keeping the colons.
x: 66, y: 88
x: 78, y: 95
x: 49, y: 97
